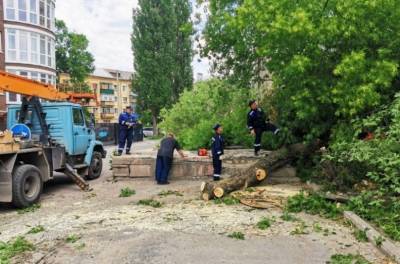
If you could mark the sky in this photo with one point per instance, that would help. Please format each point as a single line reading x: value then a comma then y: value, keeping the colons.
x: 108, y: 25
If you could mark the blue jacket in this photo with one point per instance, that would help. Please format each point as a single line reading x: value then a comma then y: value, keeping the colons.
x: 127, y: 121
x: 217, y: 145
x: 256, y: 119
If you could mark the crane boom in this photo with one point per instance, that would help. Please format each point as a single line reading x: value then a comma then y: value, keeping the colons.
x: 16, y: 84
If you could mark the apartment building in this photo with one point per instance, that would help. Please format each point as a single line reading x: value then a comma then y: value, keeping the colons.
x: 27, y: 46
x: 113, y: 90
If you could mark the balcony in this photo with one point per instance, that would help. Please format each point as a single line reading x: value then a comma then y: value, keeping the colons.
x: 107, y: 103
x: 107, y: 91
x: 107, y: 116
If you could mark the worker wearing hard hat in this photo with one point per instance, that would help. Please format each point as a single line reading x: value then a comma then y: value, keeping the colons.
x: 217, y: 148
x: 127, y: 121
x: 257, y: 124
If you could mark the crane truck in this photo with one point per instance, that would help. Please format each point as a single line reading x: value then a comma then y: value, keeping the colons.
x: 48, y: 133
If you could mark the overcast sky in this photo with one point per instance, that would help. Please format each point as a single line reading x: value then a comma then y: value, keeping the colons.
x: 108, y: 25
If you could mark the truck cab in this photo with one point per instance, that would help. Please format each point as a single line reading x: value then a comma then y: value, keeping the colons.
x: 71, y: 146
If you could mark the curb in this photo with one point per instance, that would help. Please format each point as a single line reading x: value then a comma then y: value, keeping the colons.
x: 387, y: 247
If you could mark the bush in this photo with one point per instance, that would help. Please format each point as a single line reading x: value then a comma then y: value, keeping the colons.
x: 210, y: 102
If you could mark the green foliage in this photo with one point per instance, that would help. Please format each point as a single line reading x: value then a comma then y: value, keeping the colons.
x: 237, y: 235
x: 13, y: 248
x: 379, y: 209
x: 314, y: 204
x: 264, y: 223
x: 348, y: 259
x: 36, y: 229
x: 150, y: 202
x: 360, y: 235
x: 73, y: 238
x: 161, y: 43
x: 169, y: 192
x: 300, y: 229
x: 378, y: 241
x: 288, y: 217
x: 197, y: 110
x: 72, y: 55
x: 330, y: 61
x: 30, y: 209
x: 127, y: 192
x: 227, y: 200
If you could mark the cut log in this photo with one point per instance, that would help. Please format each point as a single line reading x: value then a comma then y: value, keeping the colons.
x: 256, y: 172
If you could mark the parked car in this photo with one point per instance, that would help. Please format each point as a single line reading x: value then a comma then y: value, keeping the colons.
x: 148, y: 131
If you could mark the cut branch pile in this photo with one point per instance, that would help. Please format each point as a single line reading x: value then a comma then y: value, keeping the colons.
x: 256, y: 172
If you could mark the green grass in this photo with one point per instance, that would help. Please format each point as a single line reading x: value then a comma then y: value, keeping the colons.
x: 314, y: 204
x: 378, y: 241
x: 150, y: 202
x: 228, y: 200
x: 73, y: 238
x: 237, y: 235
x: 264, y: 223
x: 13, y: 248
x: 300, y: 229
x: 36, y: 229
x: 288, y: 217
x: 317, y: 228
x: 360, y: 235
x: 29, y: 209
x: 127, y: 192
x: 80, y: 246
x: 348, y: 259
x: 168, y: 193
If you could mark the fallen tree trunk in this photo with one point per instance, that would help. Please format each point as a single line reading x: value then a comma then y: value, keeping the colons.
x: 256, y: 172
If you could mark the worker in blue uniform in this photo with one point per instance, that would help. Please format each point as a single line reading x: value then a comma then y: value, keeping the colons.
x: 127, y: 121
x: 257, y: 124
x: 217, y: 148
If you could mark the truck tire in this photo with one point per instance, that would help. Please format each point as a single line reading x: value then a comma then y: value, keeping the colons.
x: 96, y: 166
x: 27, y: 186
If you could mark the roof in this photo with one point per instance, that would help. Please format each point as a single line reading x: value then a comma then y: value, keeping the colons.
x: 112, y: 74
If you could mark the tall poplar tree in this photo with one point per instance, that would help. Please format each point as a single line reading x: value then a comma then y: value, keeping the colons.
x: 162, y: 50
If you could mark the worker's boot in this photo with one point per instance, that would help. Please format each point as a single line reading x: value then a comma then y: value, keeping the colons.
x: 119, y: 153
x: 256, y: 153
x: 217, y: 178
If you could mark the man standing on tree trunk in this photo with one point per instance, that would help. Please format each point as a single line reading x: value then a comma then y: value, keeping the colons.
x: 257, y: 123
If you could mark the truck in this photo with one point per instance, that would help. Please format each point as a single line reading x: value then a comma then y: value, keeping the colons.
x: 52, y: 135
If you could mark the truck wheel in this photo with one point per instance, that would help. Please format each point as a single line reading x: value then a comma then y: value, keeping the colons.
x: 27, y: 186
x: 96, y: 166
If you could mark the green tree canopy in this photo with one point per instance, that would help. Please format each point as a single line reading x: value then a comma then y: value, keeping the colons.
x: 329, y: 60
x: 72, y: 54
x: 161, y: 43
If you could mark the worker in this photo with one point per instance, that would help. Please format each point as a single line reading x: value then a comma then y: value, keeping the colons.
x: 257, y: 124
x: 127, y: 121
x: 217, y: 148
x: 165, y: 157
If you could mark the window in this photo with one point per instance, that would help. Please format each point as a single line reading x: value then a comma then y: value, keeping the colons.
x: 125, y: 99
x: 23, y: 46
x: 42, y: 8
x: 1, y: 46
x: 22, y: 10
x: 48, y: 14
x: 78, y: 117
x: 42, y: 50
x: 43, y: 78
x: 49, y: 52
x: 10, y: 10
x: 123, y: 88
x: 11, y: 45
x: 12, y: 97
x: 35, y: 76
x: 34, y: 48
x: 33, y: 12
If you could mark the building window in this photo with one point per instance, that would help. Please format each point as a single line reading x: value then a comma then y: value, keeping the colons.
x: 23, y: 46
x: 11, y: 45
x: 125, y: 99
x: 10, y: 10
x: 34, y: 48
x: 33, y: 12
x: 42, y: 50
x: 1, y: 44
x: 42, y: 17
x: 22, y: 10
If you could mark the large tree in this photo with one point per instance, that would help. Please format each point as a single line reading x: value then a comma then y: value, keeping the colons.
x: 330, y: 60
x: 72, y: 54
x: 162, y: 49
